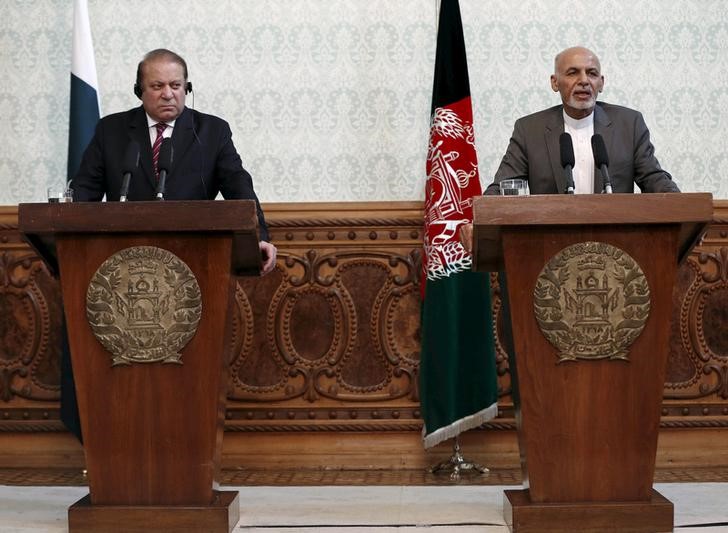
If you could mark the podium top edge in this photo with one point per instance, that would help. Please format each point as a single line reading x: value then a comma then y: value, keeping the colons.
x: 593, y: 209
x: 238, y: 216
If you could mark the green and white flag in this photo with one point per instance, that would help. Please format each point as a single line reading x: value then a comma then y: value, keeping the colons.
x: 83, y: 116
x: 85, y: 106
x: 458, y: 380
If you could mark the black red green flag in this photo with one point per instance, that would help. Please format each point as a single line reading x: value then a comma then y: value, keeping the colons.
x: 458, y: 381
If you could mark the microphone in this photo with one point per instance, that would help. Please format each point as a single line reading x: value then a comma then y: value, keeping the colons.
x: 601, y: 160
x: 166, y: 154
x: 131, y: 163
x: 567, y: 160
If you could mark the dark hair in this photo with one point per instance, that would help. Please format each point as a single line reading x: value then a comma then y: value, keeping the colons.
x: 159, y: 53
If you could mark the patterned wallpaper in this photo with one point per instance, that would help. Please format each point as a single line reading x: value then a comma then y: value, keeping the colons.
x: 329, y: 99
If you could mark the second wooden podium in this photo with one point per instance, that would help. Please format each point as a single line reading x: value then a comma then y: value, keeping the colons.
x: 590, y: 282
x: 146, y: 288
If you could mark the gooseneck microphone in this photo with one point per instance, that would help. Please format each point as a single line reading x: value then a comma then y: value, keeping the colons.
x: 130, y: 164
x: 166, y: 154
x: 567, y: 160
x: 601, y: 160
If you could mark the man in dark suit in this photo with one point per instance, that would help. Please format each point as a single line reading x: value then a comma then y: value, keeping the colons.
x: 533, y: 152
x: 205, y: 161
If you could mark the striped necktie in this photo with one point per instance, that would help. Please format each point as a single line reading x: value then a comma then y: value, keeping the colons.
x: 155, y: 147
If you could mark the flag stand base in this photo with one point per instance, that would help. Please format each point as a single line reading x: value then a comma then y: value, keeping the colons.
x: 456, y: 464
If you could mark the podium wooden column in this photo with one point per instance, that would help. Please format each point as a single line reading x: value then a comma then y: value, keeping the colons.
x: 587, y: 429
x: 152, y: 431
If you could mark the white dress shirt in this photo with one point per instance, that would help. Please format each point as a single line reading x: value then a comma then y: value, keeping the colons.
x: 166, y: 134
x: 581, y: 131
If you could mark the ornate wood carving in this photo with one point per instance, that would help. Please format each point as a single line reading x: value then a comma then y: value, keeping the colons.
x: 330, y: 340
x: 333, y: 332
x: 30, y: 324
x: 697, y: 374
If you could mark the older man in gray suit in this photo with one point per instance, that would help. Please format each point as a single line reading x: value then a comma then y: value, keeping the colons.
x: 533, y: 152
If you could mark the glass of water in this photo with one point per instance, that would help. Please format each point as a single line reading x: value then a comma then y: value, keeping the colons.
x: 514, y: 187
x: 60, y: 194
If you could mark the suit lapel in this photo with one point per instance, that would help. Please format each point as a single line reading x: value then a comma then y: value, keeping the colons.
x: 139, y: 131
x: 554, y: 128
x: 602, y: 126
x: 182, y: 137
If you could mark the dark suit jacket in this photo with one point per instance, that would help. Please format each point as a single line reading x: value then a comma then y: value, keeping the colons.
x: 205, y: 162
x: 533, y: 152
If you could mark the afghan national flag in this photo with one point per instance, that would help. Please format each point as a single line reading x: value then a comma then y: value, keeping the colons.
x: 458, y: 381
x: 84, y: 88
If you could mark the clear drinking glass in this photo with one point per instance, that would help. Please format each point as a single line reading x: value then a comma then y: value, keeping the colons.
x: 60, y: 194
x: 514, y: 187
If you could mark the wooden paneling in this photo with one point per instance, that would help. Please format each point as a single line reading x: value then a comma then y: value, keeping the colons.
x: 327, y: 348
x: 330, y: 340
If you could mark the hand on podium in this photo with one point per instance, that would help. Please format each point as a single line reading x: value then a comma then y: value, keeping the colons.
x: 466, y: 236
x: 268, y: 252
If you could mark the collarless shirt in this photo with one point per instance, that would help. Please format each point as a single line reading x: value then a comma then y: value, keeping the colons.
x: 581, y: 131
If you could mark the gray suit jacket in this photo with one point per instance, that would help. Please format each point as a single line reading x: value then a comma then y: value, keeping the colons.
x: 533, y: 152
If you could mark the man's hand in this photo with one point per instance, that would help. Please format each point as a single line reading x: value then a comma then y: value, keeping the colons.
x: 269, y: 253
x: 466, y: 237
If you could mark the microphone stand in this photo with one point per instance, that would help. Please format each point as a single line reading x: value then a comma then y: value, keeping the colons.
x: 125, y: 186
x: 607, y: 182
x: 569, y: 180
x: 161, y: 184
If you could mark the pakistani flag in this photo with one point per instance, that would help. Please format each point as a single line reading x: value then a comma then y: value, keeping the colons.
x: 84, y: 115
x: 458, y: 381
x: 85, y: 104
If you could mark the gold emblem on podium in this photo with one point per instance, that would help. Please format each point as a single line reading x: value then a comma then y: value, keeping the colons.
x: 144, y: 305
x: 591, y: 301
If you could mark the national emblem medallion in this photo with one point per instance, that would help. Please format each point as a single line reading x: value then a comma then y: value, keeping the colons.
x: 144, y: 305
x: 591, y: 301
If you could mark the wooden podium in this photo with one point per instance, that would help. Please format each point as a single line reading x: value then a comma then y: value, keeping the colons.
x: 152, y: 428
x: 594, y: 274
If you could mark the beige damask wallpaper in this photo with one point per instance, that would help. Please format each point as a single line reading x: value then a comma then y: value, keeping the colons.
x: 329, y: 99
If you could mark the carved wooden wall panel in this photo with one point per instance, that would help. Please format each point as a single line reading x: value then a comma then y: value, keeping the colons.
x: 696, y: 392
x: 330, y: 340
x: 30, y: 326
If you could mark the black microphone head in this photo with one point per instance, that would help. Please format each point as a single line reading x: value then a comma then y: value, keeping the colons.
x: 599, y: 149
x: 567, y: 150
x: 166, y: 154
x: 131, y: 158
